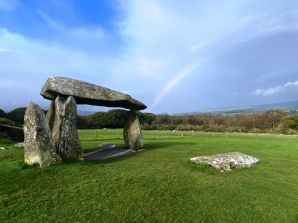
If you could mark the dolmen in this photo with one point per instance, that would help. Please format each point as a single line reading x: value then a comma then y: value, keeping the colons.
x: 52, y: 138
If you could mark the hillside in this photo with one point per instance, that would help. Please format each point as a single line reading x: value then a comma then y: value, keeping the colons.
x: 289, y: 107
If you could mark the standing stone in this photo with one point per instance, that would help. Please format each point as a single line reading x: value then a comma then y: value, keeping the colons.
x: 63, y: 116
x: 69, y: 145
x: 132, y: 131
x: 55, y: 119
x: 39, y: 145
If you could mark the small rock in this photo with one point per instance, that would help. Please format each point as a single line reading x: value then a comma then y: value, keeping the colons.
x: 107, y: 146
x: 2, y: 148
x: 19, y: 145
x: 227, y: 161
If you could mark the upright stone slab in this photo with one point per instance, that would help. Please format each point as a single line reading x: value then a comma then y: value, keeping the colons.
x: 62, y: 116
x: 69, y: 144
x: 55, y: 119
x: 132, y: 131
x: 39, y: 146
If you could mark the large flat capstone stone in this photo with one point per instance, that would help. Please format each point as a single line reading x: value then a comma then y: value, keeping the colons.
x: 87, y: 93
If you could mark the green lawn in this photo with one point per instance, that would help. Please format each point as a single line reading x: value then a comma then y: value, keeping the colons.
x: 159, y: 184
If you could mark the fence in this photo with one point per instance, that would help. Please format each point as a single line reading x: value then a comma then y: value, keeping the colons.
x: 12, y: 132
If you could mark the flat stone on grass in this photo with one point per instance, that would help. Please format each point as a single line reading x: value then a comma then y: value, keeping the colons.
x: 19, y: 145
x: 107, y: 145
x: 107, y: 153
x: 227, y: 161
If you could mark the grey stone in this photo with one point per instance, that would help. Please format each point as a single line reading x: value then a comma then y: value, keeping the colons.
x: 2, y: 148
x: 132, y: 131
x: 19, y: 145
x: 51, y: 114
x: 63, y: 116
x: 38, y: 145
x: 107, y: 154
x: 87, y: 93
x: 55, y: 119
x: 227, y: 161
x: 107, y: 146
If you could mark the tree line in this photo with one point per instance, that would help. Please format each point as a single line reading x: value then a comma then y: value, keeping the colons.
x: 271, y: 121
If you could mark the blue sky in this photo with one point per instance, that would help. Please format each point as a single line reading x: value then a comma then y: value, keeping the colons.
x: 175, y: 56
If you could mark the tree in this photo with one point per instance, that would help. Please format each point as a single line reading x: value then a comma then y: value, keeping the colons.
x: 17, y: 115
x: 274, y: 117
x: 2, y: 114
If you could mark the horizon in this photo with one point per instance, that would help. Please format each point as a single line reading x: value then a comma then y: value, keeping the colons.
x: 176, y: 57
x: 211, y: 110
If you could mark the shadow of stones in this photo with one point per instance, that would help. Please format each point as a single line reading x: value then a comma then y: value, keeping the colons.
x: 162, y: 145
x: 147, y: 147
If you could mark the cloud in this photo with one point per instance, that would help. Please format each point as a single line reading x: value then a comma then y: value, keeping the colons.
x: 27, y: 63
x: 177, y: 34
x: 275, y: 90
x: 91, y: 40
x: 288, y: 84
x: 268, y: 91
x: 9, y: 5
x: 149, y: 66
x: 151, y: 50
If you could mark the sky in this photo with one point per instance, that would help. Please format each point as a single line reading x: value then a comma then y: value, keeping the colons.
x: 174, y: 56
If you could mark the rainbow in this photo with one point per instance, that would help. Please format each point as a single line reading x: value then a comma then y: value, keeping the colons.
x: 172, y: 83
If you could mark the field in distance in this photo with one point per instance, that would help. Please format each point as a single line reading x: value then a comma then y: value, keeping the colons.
x: 158, y: 184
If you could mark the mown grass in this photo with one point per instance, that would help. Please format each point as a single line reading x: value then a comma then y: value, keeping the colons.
x: 159, y: 184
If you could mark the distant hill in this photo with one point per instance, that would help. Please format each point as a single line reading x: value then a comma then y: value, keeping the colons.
x: 85, y: 113
x: 289, y: 107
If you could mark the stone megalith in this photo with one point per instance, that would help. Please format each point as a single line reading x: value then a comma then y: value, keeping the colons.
x: 91, y: 94
x: 55, y: 118
x: 132, y: 131
x: 62, y: 117
x: 39, y: 146
x: 87, y: 93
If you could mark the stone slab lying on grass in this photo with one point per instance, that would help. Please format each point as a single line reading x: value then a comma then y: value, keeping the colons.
x: 107, y: 145
x: 19, y: 145
x: 2, y: 148
x: 227, y: 161
x: 107, y: 153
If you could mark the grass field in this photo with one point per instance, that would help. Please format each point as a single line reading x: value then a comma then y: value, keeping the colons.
x: 159, y: 184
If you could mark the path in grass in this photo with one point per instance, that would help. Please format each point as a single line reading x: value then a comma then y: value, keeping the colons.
x: 156, y: 185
